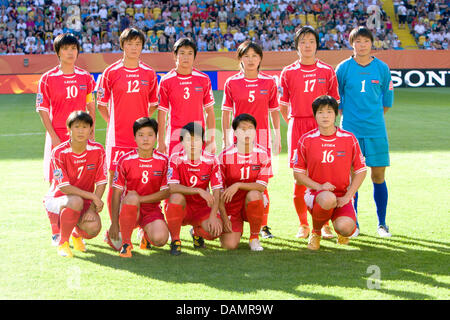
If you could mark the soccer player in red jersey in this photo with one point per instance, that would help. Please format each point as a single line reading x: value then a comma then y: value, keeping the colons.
x: 127, y: 90
x: 139, y: 185
x: 79, y: 180
x: 253, y: 92
x: 330, y: 164
x: 185, y: 94
x: 246, y: 169
x: 301, y: 83
x: 61, y: 90
x: 192, y: 173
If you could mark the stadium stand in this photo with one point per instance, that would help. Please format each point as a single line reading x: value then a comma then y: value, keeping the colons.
x: 28, y: 27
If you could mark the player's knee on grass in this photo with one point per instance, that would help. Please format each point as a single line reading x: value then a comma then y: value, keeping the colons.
x: 75, y: 203
x: 132, y: 198
x: 344, y: 226
x: 177, y: 198
x: 253, y: 196
x: 92, y: 228
x: 327, y: 200
x: 157, y: 232
x: 230, y: 241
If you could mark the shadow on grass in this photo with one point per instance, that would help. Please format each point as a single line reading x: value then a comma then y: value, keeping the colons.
x: 286, y: 264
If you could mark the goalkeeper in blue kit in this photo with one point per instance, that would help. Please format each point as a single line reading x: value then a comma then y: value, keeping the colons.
x: 367, y: 93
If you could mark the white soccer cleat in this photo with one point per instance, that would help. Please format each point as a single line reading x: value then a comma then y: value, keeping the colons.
x: 55, y: 239
x: 115, y: 244
x: 383, y: 231
x: 355, y: 234
x: 255, y: 245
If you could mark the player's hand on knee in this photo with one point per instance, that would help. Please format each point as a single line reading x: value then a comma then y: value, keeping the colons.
x: 89, y: 216
x: 208, y: 197
x: 342, y: 201
x: 214, y: 226
x: 230, y: 192
x: 98, y: 203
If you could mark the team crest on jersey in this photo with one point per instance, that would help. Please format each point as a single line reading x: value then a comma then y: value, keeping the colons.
x: 39, y: 98
x: 57, y: 174
x: 101, y: 93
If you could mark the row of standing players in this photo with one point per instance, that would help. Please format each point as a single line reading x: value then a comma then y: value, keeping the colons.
x: 128, y: 90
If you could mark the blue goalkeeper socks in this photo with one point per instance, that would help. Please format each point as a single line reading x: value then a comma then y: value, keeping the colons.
x: 380, y: 195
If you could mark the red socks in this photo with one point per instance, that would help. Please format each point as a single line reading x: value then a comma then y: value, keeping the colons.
x: 266, y: 209
x: 300, y: 205
x: 54, y: 222
x: 174, y: 216
x: 320, y: 217
x: 127, y: 221
x: 69, y: 219
x: 255, y: 212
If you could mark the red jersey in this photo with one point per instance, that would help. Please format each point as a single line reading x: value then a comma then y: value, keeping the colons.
x: 302, y: 84
x: 59, y: 94
x: 145, y: 176
x: 246, y: 168
x: 329, y: 158
x: 256, y: 97
x: 202, y: 174
x: 84, y: 171
x: 128, y: 93
x: 184, y: 98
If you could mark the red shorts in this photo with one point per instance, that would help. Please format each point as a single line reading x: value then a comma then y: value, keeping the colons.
x: 55, y: 204
x: 148, y: 214
x: 113, y: 155
x: 196, y: 215
x: 346, y: 211
x: 296, y: 128
x: 237, y: 214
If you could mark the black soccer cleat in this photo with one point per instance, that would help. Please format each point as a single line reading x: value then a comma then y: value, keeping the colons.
x: 175, y: 248
x: 265, y: 233
x: 199, y: 242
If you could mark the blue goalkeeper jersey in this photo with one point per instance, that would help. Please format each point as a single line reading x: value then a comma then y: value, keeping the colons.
x: 364, y: 91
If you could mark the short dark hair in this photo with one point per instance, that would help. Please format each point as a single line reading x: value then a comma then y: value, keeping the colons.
x: 247, y: 45
x: 81, y: 116
x: 193, y: 128
x: 360, y: 32
x: 130, y: 34
x: 325, y: 101
x: 243, y: 117
x: 145, y: 122
x: 65, y: 39
x: 185, y: 42
x: 300, y: 33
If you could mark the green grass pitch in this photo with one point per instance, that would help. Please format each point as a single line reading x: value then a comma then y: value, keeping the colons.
x: 413, y: 264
